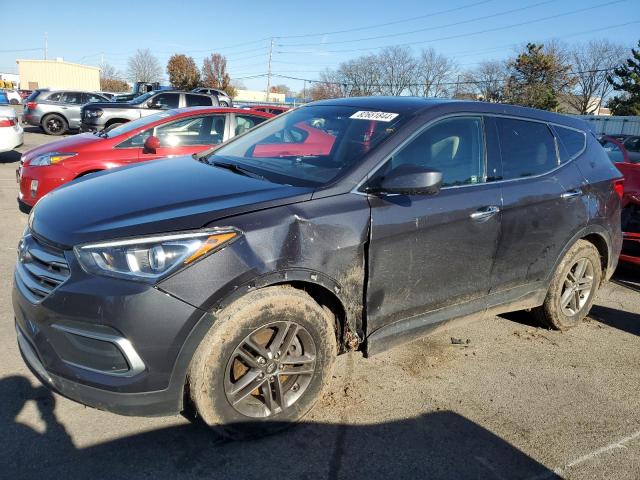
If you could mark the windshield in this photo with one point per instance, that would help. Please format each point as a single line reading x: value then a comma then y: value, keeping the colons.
x: 141, y: 122
x: 140, y: 99
x: 310, y: 146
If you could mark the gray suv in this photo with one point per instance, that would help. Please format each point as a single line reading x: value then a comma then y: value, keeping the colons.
x: 221, y: 95
x: 105, y: 116
x: 57, y: 111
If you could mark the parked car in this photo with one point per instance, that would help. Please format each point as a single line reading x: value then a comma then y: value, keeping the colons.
x: 630, y: 219
x: 274, y: 109
x: 57, y: 111
x: 13, y: 96
x: 104, y: 116
x: 224, y: 99
x: 109, y: 95
x: 632, y: 145
x: 228, y: 281
x: 10, y: 129
x: 169, y: 133
x: 24, y: 93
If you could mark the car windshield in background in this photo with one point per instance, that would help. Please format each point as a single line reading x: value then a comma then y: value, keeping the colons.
x: 310, y: 146
x: 4, y: 100
x: 141, y: 122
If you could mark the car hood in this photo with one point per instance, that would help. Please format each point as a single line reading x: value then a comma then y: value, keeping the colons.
x: 160, y: 196
x: 72, y: 143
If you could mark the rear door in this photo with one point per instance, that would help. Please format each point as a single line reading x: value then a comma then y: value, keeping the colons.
x: 543, y: 204
x: 435, y: 252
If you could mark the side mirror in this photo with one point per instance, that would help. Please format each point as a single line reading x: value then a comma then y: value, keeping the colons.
x: 410, y: 180
x: 151, y: 144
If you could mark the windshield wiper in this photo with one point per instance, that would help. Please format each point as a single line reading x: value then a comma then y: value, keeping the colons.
x: 234, y: 168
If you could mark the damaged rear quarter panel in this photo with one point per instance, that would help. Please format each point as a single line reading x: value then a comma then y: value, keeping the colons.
x: 319, y: 241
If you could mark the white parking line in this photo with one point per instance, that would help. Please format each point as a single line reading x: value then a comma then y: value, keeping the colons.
x: 612, y: 446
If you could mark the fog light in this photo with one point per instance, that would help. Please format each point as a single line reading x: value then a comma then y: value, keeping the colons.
x: 34, y: 188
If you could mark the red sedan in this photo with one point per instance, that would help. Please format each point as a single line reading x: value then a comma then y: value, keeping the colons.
x: 165, y: 134
x: 630, y: 199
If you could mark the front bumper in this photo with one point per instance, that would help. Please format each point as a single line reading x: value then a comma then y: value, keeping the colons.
x: 47, y: 178
x: 154, y: 325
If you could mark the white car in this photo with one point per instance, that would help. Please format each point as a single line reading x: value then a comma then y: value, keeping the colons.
x: 10, y: 130
x: 14, y: 97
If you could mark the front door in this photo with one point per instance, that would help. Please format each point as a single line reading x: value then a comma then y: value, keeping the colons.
x: 435, y: 252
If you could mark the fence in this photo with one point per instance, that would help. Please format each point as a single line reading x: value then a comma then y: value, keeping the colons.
x: 612, y: 125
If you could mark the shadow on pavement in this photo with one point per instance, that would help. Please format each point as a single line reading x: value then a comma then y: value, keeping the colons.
x: 10, y: 157
x: 620, y: 319
x: 437, y: 445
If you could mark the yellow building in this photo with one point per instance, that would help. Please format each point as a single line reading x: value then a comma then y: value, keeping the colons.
x: 57, y: 74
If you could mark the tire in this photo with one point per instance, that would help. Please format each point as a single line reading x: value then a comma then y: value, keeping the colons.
x: 13, y: 101
x: 54, y: 124
x: 555, y: 312
x: 259, y: 318
x: 224, y: 104
x: 112, y: 126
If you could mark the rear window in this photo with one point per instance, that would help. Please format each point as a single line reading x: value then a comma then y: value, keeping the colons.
x: 528, y: 148
x: 570, y: 142
x: 33, y: 95
x: 199, y: 101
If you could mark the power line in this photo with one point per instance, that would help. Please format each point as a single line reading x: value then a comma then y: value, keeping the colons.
x: 461, y: 35
x: 22, y: 50
x: 410, y: 32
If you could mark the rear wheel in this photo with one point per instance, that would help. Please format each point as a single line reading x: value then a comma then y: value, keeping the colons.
x: 224, y: 104
x: 573, y: 288
x: 264, y: 363
x: 54, y: 124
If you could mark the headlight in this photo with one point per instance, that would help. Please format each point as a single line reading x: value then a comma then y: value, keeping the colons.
x: 50, y: 159
x: 93, y: 113
x: 148, y: 259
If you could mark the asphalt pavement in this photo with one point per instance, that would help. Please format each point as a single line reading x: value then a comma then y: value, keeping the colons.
x: 516, y: 401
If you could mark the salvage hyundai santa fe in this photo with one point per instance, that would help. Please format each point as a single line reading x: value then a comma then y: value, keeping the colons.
x: 227, y: 282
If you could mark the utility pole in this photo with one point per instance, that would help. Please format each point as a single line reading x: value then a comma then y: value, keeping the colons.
x: 45, y: 45
x: 269, y: 70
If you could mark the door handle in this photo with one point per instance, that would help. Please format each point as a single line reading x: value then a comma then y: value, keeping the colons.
x: 572, y: 193
x: 484, y: 213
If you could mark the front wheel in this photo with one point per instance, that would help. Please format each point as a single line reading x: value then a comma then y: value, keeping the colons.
x: 573, y: 288
x: 264, y: 363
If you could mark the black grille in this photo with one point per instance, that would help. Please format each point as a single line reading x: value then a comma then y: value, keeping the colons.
x: 40, y: 268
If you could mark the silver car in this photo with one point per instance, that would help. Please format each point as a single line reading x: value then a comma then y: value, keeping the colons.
x: 221, y: 95
x: 57, y: 111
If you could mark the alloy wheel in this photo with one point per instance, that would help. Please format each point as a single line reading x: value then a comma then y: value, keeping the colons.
x: 54, y: 125
x: 577, y: 287
x: 270, y: 369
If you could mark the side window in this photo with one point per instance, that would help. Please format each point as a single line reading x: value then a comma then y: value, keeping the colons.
x: 198, y: 100
x: 528, y: 148
x: 54, y: 97
x: 246, y: 122
x: 570, y: 142
x: 92, y: 98
x: 454, y: 146
x: 74, y: 98
x: 632, y: 144
x: 167, y: 100
x: 613, y: 151
x: 137, y: 141
x: 207, y: 130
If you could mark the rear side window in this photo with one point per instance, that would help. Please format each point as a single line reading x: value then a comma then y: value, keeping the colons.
x: 246, y: 122
x: 570, y: 142
x: 54, y: 97
x: 74, y: 98
x: 167, y: 100
x: 528, y: 148
x: 632, y: 144
x: 198, y: 101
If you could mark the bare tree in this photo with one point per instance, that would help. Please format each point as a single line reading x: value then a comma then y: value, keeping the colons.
x: 111, y: 80
x: 592, y: 62
x: 487, y: 80
x: 215, y: 75
x: 397, y: 70
x: 144, y: 67
x: 362, y: 75
x: 432, y: 74
x: 331, y: 85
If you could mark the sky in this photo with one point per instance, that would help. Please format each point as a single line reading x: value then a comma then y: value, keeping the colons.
x: 308, y: 37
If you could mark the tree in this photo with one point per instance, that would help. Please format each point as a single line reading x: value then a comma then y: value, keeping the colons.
x: 536, y: 78
x: 284, y: 89
x: 144, y: 67
x: 397, y: 70
x: 487, y: 80
x: 360, y: 76
x: 111, y: 79
x: 433, y: 72
x: 592, y: 63
x: 183, y: 73
x: 626, y: 79
x: 214, y: 74
x: 329, y: 86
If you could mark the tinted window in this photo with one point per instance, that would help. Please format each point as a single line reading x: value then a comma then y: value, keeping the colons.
x: 613, y: 151
x: 453, y: 146
x: 198, y: 101
x: 528, y: 148
x: 167, y: 100
x: 207, y: 130
x: 632, y: 144
x: 74, y: 98
x: 571, y: 142
x: 55, y: 97
x: 246, y: 122
x: 92, y: 98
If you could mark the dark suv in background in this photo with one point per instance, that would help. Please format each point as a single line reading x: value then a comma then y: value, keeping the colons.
x: 57, y: 111
x: 228, y: 281
x: 100, y: 116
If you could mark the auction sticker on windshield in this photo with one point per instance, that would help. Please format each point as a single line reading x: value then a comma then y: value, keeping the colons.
x: 377, y: 116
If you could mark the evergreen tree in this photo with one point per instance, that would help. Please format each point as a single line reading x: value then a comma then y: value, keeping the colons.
x: 626, y: 79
